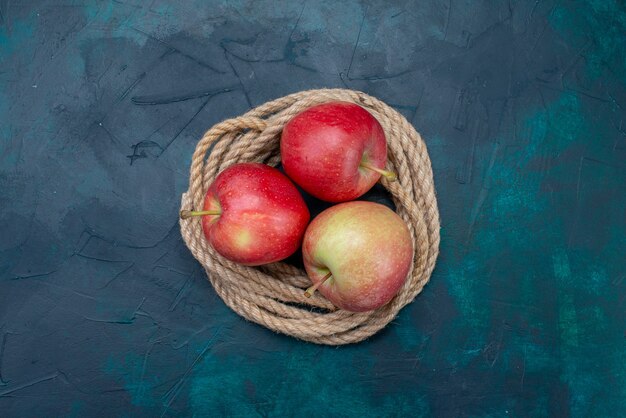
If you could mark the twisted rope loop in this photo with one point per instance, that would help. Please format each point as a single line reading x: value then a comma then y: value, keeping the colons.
x: 273, y: 295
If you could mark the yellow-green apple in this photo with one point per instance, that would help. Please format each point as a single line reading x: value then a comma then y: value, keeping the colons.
x: 253, y: 214
x: 357, y: 254
x: 335, y: 151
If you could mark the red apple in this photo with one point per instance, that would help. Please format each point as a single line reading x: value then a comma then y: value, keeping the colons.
x: 357, y: 254
x: 335, y: 151
x: 253, y: 214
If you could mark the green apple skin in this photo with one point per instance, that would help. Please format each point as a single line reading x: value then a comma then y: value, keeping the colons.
x: 366, y: 247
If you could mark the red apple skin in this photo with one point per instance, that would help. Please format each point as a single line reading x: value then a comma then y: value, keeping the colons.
x: 366, y: 247
x: 323, y: 147
x: 263, y: 216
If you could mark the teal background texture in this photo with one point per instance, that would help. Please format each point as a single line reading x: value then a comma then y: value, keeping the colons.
x: 103, y: 310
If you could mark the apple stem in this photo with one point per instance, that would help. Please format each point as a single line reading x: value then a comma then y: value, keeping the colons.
x: 309, y: 292
x: 391, y: 176
x: 186, y: 214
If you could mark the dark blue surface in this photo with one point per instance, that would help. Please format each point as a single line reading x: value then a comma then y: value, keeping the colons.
x: 103, y: 310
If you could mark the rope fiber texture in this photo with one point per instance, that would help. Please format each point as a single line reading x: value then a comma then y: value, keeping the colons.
x: 273, y: 295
